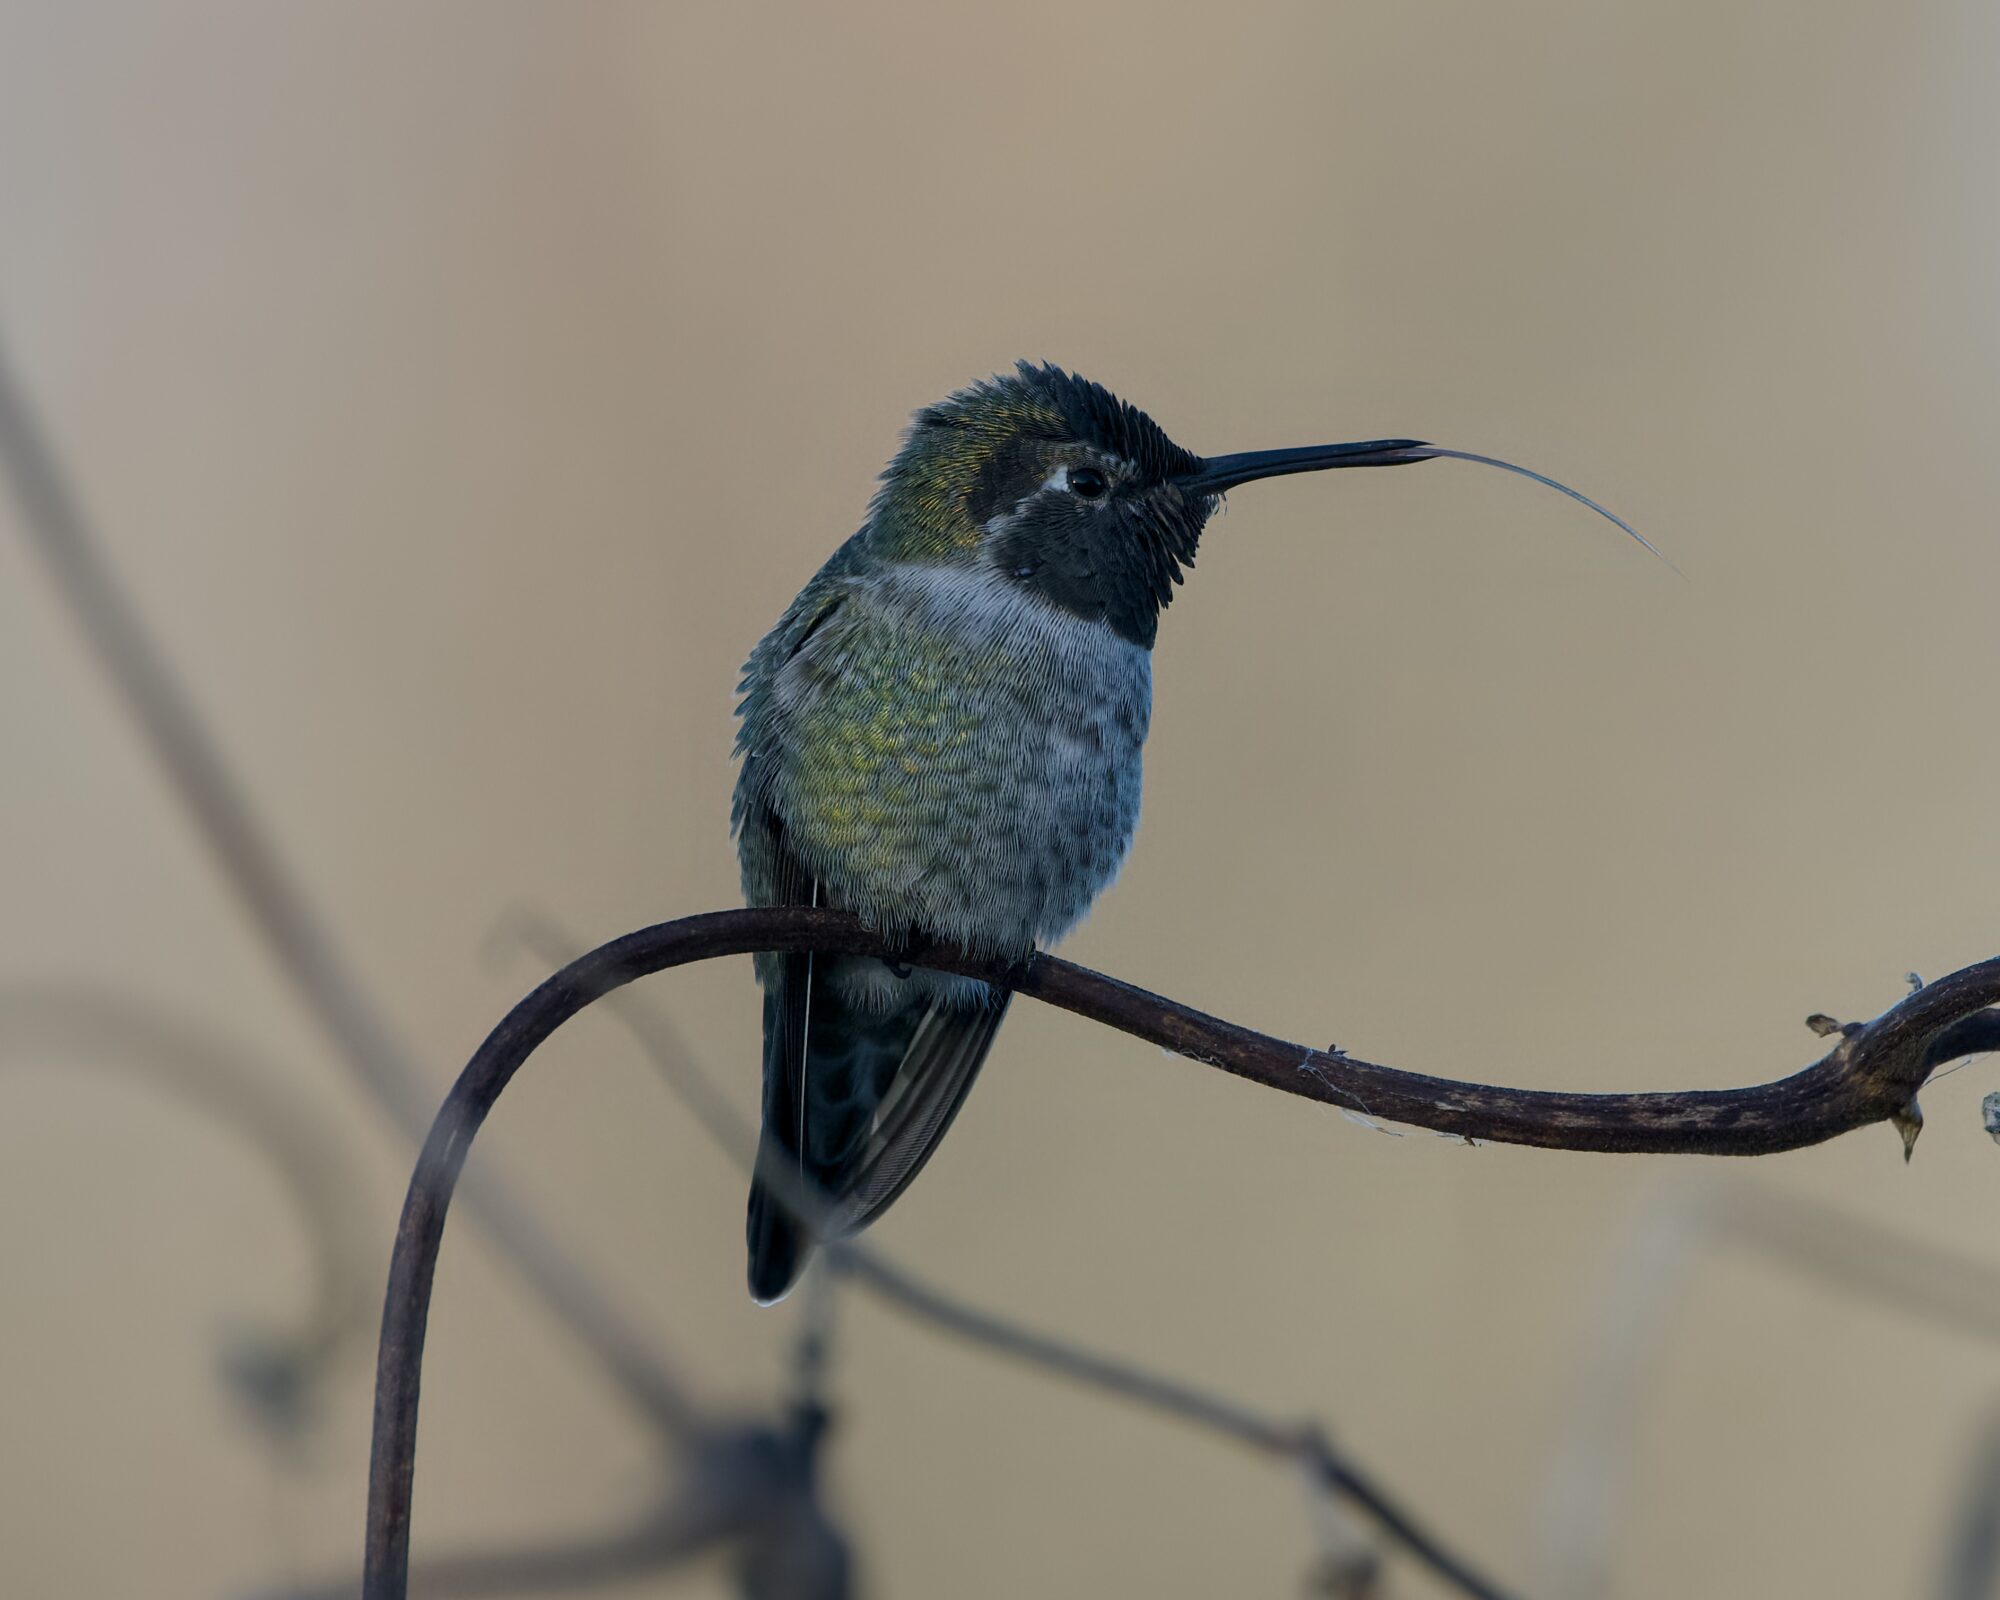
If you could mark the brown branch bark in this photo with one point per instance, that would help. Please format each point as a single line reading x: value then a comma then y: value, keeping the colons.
x: 1873, y: 1072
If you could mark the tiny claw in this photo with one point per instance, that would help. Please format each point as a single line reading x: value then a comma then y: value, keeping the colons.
x: 1822, y: 1024
x: 1909, y: 1122
x: 1916, y: 983
x: 1989, y: 1112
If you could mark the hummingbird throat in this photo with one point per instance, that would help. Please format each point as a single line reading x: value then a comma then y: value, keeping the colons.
x: 1113, y: 566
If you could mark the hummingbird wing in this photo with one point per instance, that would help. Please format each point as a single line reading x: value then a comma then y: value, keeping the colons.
x: 930, y: 1082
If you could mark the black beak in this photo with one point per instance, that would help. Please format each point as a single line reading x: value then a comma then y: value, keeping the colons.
x: 1220, y: 473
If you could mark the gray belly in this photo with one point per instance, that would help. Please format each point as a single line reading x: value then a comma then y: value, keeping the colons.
x: 997, y: 834
x: 1020, y: 852
x: 1048, y: 837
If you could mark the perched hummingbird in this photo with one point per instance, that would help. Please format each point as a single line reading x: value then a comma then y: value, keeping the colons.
x: 942, y: 736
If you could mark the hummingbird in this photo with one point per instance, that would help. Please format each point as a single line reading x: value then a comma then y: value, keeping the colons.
x: 942, y: 736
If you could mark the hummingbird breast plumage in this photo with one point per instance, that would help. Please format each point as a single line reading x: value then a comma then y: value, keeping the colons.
x: 955, y: 756
x: 942, y: 736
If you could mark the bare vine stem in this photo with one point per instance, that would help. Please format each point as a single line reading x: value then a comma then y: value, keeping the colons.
x: 1872, y: 1073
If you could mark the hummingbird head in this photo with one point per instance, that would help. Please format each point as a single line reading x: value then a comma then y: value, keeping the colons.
x: 1054, y: 483
x: 1061, y: 487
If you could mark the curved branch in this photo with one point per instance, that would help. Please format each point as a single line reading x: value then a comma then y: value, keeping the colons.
x: 1871, y: 1074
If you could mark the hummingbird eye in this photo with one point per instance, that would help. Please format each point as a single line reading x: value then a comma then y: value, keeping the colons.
x: 1088, y: 483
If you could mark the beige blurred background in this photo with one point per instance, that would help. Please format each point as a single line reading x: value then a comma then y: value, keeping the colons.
x: 462, y: 388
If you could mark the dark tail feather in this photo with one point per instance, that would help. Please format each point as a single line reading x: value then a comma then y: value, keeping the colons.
x: 939, y: 1065
x: 855, y: 1102
x: 777, y: 1246
x: 779, y: 1243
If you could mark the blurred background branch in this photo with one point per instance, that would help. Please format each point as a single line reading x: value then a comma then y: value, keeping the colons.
x: 1648, y: 1277
x: 279, y: 1375
x: 1971, y: 1569
x: 753, y: 1484
x: 751, y: 1491
x: 304, y: 947
x: 746, y: 1485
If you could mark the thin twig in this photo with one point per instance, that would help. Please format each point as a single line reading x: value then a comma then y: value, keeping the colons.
x: 304, y: 946
x: 1872, y: 1073
x: 1681, y: 1225
x: 1972, y: 1561
x: 1589, y: 1476
x: 1864, y: 1258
